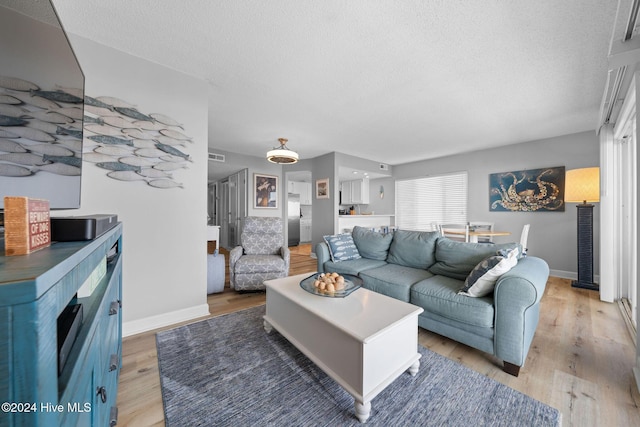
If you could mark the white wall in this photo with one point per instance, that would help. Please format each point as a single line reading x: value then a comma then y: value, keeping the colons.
x: 164, y: 277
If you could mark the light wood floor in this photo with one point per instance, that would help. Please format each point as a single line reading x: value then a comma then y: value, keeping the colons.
x: 580, y: 361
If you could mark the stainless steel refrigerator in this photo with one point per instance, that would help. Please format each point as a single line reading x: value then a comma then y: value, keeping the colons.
x: 293, y: 214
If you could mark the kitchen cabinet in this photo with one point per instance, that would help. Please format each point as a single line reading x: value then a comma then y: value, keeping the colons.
x: 355, y: 192
x: 305, y: 231
x: 303, y: 189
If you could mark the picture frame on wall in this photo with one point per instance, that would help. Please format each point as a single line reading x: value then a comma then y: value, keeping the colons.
x: 322, y: 188
x: 265, y: 191
x: 532, y: 190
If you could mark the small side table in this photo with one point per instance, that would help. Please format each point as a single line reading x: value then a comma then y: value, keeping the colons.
x: 215, y: 273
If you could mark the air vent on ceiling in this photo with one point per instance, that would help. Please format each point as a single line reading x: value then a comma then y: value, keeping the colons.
x: 384, y: 167
x: 216, y: 157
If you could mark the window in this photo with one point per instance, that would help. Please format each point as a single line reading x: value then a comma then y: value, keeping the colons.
x: 420, y: 202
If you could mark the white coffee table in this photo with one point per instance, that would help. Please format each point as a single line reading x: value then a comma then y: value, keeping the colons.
x: 363, y: 341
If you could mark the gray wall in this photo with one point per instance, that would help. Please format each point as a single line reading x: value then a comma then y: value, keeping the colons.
x: 386, y: 205
x: 553, y: 234
x: 325, y: 211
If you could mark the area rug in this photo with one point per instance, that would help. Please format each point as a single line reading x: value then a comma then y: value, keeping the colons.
x: 227, y: 371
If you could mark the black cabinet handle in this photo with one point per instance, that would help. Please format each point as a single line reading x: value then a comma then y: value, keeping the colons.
x: 102, y: 392
x: 113, y: 362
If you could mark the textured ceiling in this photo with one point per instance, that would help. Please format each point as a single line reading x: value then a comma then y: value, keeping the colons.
x: 391, y: 81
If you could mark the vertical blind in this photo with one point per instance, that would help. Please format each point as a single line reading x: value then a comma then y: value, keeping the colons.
x: 420, y: 202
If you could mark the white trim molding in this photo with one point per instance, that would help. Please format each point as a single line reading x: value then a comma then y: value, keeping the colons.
x: 167, y: 319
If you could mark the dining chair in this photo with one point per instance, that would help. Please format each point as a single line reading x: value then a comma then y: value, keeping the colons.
x: 459, y: 232
x: 482, y: 226
x: 523, y: 238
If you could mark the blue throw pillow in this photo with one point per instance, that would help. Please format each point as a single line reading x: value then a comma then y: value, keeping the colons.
x: 342, y: 247
x: 371, y: 244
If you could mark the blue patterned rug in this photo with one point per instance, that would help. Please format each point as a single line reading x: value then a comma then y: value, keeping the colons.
x: 227, y: 371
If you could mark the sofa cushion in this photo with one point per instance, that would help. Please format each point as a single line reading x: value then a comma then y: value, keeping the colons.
x: 393, y: 280
x: 439, y: 295
x: 483, y: 277
x: 259, y: 264
x: 414, y: 249
x: 457, y: 259
x: 371, y: 244
x: 342, y: 247
x: 354, y: 266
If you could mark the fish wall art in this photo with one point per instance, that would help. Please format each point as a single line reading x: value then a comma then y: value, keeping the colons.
x: 534, y: 190
x: 130, y: 145
x: 40, y: 129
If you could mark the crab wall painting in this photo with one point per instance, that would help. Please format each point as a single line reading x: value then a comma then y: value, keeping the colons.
x: 533, y: 190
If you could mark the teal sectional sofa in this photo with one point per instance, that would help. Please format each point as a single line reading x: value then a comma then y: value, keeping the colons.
x: 427, y: 270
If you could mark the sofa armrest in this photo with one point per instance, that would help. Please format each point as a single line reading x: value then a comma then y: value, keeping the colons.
x: 234, y: 256
x: 322, y: 255
x: 517, y: 308
x: 285, y: 253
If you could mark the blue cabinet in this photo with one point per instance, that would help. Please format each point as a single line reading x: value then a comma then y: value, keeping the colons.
x: 34, y: 291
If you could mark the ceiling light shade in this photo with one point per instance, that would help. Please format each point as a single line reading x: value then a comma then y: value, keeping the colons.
x: 282, y: 154
x: 582, y: 185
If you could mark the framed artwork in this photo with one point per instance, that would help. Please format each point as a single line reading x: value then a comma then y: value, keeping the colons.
x: 322, y: 188
x: 533, y: 190
x: 266, y: 191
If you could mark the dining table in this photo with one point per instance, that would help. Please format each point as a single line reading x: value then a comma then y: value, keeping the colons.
x: 474, y: 234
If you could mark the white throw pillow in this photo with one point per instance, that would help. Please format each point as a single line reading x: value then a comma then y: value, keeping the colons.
x: 484, y: 276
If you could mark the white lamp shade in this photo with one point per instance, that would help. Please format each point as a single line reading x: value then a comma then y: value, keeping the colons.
x: 582, y: 185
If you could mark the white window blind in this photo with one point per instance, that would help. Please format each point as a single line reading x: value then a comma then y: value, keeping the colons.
x: 420, y: 202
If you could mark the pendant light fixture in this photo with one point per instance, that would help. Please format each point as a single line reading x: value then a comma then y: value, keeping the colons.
x: 282, y: 154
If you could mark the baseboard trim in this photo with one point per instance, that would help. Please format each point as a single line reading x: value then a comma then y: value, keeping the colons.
x: 166, y: 319
x: 571, y: 275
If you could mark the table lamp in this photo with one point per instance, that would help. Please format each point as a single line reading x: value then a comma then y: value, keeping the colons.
x: 582, y: 186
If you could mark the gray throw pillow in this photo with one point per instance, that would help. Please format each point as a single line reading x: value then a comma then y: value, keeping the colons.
x: 371, y: 244
x: 413, y: 248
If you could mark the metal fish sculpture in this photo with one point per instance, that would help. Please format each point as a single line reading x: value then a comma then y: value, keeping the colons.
x: 72, y: 144
x: 115, y: 102
x: 164, y: 183
x: 71, y: 132
x: 36, y: 101
x: 27, y: 159
x: 113, y: 150
x: 136, y: 161
x: 67, y: 160
x: 165, y: 120
x: 15, y: 83
x: 79, y: 92
x: 11, y: 146
x: 13, y: 111
x: 50, y: 128
x: 137, y: 133
x: 117, y: 166
x: 99, y: 111
x: 111, y: 140
x: 169, y: 141
x: 172, y: 150
x: 28, y: 133
x: 103, y: 130
x: 59, y: 169
x: 8, y: 99
x: 93, y: 120
x: 149, y: 152
x: 125, y: 176
x: 172, y: 159
x: 11, y: 121
x: 175, y: 134
x: 7, y: 134
x: 74, y: 113
x: 143, y: 143
x: 49, y: 149
x: 96, y: 157
x: 133, y: 113
x: 169, y: 166
x: 154, y: 173
x: 51, y: 117
x: 57, y: 96
x: 145, y: 125
x: 117, y: 121
x: 13, y: 170
x: 93, y: 102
